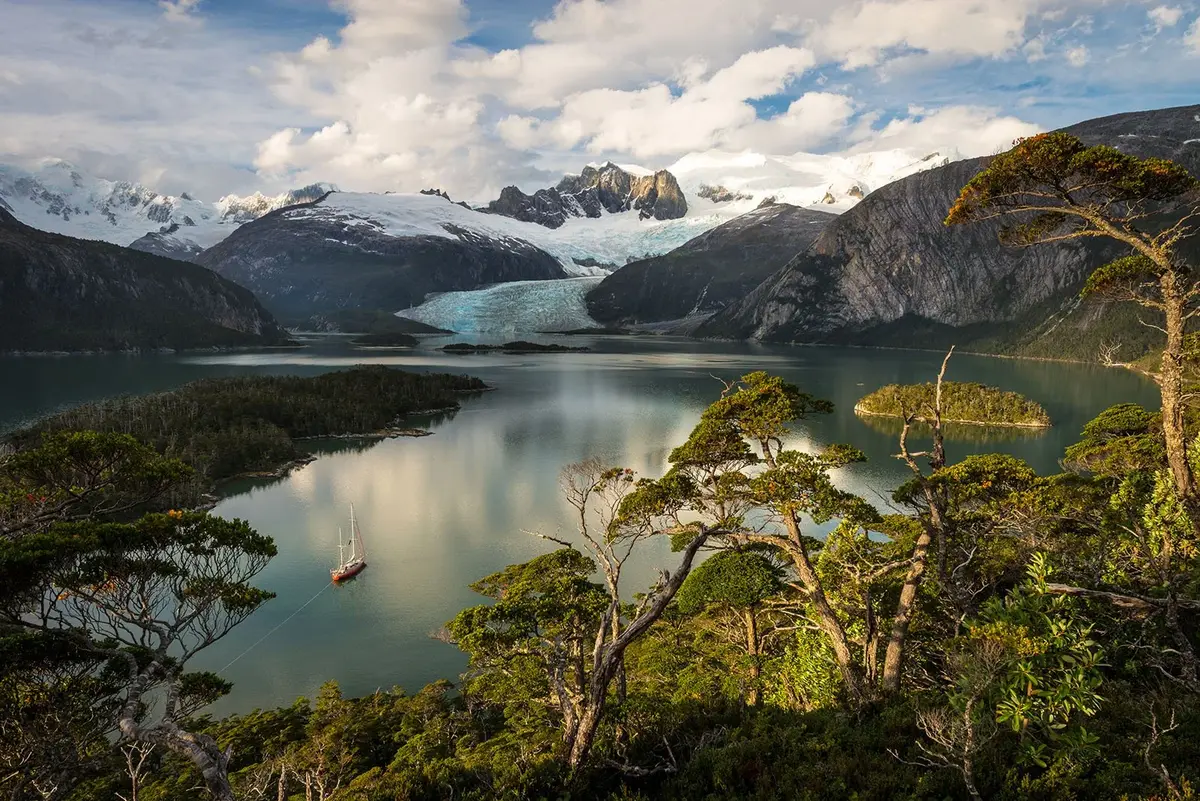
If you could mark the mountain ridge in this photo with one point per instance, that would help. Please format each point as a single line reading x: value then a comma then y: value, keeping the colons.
x: 889, y: 267
x: 68, y: 294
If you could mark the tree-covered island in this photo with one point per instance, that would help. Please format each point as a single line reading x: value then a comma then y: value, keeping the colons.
x: 970, y: 403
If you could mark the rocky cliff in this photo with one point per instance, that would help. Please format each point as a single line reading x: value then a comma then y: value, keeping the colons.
x: 889, y: 271
x: 595, y: 190
x: 61, y: 293
x: 709, y: 272
x: 368, y: 252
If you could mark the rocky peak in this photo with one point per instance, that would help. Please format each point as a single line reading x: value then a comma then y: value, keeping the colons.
x: 719, y: 194
x: 594, y: 191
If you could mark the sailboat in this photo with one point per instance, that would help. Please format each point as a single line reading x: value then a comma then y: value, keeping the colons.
x: 352, y: 566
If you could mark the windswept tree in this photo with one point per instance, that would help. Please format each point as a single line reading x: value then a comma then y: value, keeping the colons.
x: 1054, y: 188
x: 101, y: 609
x: 136, y: 601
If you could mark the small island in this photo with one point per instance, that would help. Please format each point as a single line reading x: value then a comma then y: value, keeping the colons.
x: 389, y: 339
x: 967, y: 403
x: 520, y: 346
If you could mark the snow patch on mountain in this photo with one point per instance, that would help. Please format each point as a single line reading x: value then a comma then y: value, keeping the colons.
x: 54, y: 196
x: 516, y: 307
x: 581, y: 245
x: 832, y: 182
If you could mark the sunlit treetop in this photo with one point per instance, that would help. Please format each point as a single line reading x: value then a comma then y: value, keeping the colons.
x: 1067, y: 186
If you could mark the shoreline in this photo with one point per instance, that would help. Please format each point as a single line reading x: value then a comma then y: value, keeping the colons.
x: 1035, y: 426
x: 1130, y: 366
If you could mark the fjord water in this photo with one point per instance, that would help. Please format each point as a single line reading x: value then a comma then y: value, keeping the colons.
x: 442, y: 511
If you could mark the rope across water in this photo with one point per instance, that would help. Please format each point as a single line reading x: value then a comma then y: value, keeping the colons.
x: 277, y: 628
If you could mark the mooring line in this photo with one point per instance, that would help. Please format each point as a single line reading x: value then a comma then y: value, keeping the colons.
x: 277, y: 628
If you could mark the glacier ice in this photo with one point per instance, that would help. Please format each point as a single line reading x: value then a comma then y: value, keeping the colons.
x: 513, y: 308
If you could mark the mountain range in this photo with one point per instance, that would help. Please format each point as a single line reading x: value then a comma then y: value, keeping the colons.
x: 810, y: 249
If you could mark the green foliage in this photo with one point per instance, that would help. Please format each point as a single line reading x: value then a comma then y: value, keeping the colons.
x: 1122, y: 439
x: 961, y: 402
x: 76, y: 475
x: 1052, y: 675
x: 1023, y: 682
x: 225, y: 426
x: 737, y: 579
x: 1121, y: 274
x: 1055, y: 163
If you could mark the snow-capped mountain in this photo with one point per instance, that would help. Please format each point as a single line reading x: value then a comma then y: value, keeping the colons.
x: 54, y: 196
x: 335, y: 250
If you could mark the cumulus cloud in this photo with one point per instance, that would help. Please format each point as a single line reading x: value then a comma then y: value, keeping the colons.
x: 399, y: 94
x: 1164, y: 16
x: 969, y: 130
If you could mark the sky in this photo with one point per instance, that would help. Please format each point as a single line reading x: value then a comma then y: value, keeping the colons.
x: 230, y: 96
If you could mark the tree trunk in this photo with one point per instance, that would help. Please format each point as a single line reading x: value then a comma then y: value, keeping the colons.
x: 827, y: 619
x: 893, y: 660
x: 1170, y: 381
x: 750, y: 618
x: 610, y: 658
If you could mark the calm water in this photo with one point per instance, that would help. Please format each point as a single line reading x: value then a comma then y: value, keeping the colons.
x: 440, y: 512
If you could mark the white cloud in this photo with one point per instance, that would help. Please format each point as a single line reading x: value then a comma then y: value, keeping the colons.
x: 1192, y: 38
x: 971, y: 130
x: 179, y: 10
x: 124, y: 92
x: 400, y: 97
x: 1164, y: 16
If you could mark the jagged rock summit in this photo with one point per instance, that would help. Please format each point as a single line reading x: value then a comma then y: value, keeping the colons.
x: 596, y: 190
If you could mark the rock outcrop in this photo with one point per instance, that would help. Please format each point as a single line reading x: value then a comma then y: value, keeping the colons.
x: 592, y: 192
x: 62, y: 293
x: 719, y: 194
x: 709, y: 272
x: 889, y: 272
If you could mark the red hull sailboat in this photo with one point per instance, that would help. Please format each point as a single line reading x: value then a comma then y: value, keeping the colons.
x: 352, y: 566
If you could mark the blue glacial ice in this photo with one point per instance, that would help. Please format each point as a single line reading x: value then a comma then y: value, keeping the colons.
x: 516, y: 307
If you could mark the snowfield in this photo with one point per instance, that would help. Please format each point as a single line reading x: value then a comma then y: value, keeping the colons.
x: 54, y: 196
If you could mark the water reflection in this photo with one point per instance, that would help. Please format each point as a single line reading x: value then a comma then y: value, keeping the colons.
x: 439, y: 512
x: 954, y: 432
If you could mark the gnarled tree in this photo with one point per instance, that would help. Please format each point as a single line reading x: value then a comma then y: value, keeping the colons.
x: 1055, y: 188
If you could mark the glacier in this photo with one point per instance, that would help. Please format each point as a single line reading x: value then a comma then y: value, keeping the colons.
x: 514, y: 308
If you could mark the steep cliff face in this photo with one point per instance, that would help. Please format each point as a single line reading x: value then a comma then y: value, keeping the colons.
x: 61, y: 293
x: 889, y: 268
x: 709, y: 272
x: 596, y: 189
x: 387, y: 252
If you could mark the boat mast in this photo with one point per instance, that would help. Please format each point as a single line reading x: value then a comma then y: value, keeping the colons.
x: 353, y: 535
x: 341, y: 561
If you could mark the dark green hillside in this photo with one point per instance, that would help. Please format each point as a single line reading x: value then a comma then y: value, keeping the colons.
x: 61, y: 293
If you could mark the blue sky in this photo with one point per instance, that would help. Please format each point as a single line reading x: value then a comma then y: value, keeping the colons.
x: 215, y: 96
